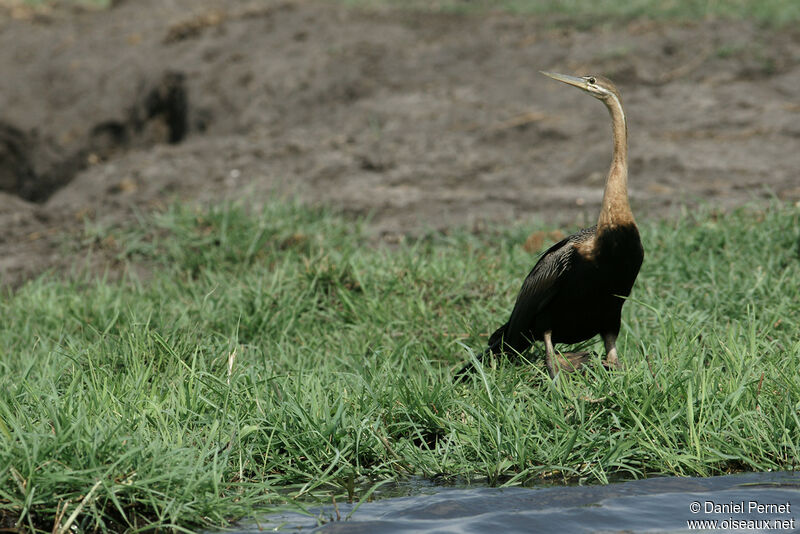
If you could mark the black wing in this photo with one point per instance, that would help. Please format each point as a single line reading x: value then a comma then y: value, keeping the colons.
x: 541, y: 286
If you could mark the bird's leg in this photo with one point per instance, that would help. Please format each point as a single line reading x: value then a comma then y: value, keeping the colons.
x: 550, y: 359
x: 610, y: 341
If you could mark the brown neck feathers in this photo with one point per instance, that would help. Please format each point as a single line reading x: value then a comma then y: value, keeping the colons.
x: 616, y: 210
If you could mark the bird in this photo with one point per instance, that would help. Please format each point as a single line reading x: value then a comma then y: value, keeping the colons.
x: 577, y: 288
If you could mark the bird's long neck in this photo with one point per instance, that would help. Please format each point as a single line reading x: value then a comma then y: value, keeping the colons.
x: 616, y: 210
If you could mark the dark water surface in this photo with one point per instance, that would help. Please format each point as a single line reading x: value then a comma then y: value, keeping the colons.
x: 751, y: 502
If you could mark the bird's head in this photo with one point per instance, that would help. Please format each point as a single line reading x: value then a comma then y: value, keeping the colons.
x: 597, y: 86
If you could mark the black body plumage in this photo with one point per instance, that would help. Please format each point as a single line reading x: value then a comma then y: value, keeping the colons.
x: 577, y: 295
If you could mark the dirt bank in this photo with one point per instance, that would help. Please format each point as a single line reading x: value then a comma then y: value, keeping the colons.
x: 426, y: 120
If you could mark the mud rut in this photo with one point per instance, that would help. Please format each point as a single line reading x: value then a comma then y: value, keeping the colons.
x: 423, y: 120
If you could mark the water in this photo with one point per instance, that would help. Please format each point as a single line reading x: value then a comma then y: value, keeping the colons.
x: 751, y: 502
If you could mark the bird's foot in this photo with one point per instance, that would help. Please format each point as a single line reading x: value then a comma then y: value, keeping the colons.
x: 572, y: 362
x: 612, y: 363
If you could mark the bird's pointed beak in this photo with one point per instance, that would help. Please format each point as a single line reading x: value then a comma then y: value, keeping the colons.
x: 571, y: 80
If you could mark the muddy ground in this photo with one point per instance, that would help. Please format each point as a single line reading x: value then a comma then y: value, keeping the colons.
x: 425, y: 120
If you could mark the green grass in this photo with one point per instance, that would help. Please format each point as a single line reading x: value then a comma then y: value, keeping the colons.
x: 583, y: 12
x: 274, y: 356
x: 94, y: 4
x: 586, y: 12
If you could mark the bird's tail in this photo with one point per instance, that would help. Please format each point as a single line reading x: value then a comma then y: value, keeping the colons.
x: 495, y: 347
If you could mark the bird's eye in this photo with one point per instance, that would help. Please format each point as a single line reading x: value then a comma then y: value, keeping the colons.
x: 591, y: 81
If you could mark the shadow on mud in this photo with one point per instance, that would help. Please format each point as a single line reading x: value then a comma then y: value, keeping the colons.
x: 33, y: 165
